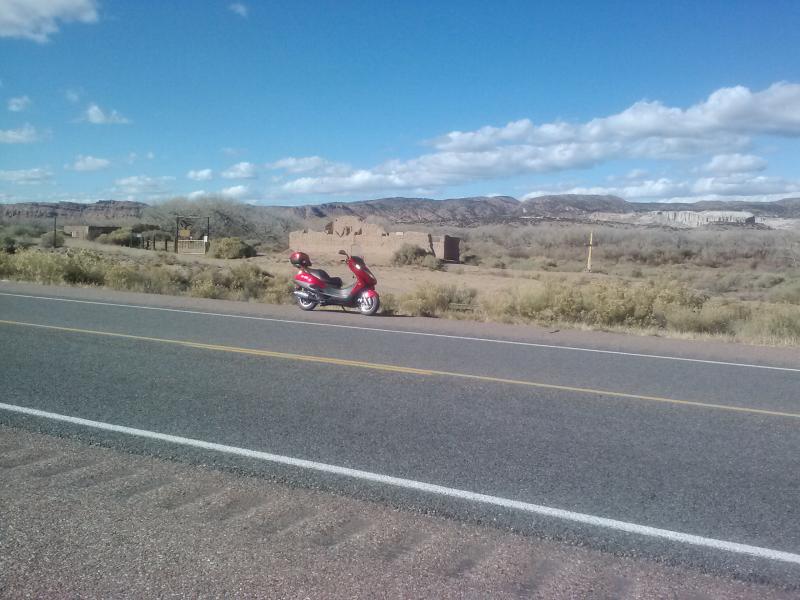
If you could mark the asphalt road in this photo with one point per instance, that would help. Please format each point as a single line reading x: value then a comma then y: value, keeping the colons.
x: 90, y: 522
x: 690, y: 458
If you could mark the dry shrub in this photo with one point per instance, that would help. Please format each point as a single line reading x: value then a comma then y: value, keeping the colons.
x: 773, y: 324
x: 712, y: 318
x: 788, y: 293
x: 84, y: 268
x: 41, y: 267
x: 51, y: 240
x: 8, y: 244
x: 7, y: 266
x: 145, y: 279
x: 209, y: 283
x: 435, y: 300
x: 278, y: 290
x: 231, y: 248
x: 389, y: 304
x: 119, y: 237
x: 602, y: 304
x: 410, y: 255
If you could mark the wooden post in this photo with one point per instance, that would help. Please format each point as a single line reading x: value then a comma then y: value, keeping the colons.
x: 591, y: 245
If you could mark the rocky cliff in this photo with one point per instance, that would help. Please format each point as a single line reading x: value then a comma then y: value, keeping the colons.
x: 105, y: 212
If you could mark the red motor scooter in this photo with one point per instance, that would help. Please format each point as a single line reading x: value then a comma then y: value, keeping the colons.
x: 313, y: 287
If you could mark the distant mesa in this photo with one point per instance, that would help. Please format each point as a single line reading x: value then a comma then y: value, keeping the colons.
x: 452, y: 212
x: 103, y: 212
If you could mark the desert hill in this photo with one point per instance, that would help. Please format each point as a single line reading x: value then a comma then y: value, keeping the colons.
x: 456, y: 212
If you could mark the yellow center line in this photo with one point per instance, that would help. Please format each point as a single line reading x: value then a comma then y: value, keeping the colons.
x: 406, y: 370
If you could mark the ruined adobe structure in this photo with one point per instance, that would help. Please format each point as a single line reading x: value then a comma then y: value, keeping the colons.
x: 88, y: 232
x: 370, y: 241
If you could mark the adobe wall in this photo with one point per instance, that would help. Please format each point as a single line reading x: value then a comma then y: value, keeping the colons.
x: 87, y: 232
x: 369, y: 240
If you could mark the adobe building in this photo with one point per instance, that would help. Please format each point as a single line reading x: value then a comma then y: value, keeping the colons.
x: 370, y: 241
x: 87, y: 232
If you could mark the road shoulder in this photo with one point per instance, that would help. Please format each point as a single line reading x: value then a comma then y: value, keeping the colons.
x: 85, y: 520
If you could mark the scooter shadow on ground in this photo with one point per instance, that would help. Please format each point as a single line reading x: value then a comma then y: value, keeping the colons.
x: 348, y: 310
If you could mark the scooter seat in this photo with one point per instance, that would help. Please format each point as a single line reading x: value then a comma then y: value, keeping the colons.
x: 323, y: 275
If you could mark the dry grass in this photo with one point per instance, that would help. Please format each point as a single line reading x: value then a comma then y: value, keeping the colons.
x: 653, y: 307
x: 148, y: 275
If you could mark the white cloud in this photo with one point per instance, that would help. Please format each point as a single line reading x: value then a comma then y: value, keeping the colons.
x: 735, y: 163
x: 725, y: 121
x: 729, y: 187
x: 239, y: 8
x: 19, y: 103
x: 242, y: 170
x: 73, y: 95
x: 196, y: 194
x: 142, y: 184
x: 200, y: 175
x: 743, y: 185
x: 727, y: 111
x: 95, y: 114
x: 22, y: 135
x: 236, y: 192
x: 37, y: 20
x: 26, y: 176
x: 636, y: 174
x: 89, y: 163
x: 309, y: 164
x: 444, y: 168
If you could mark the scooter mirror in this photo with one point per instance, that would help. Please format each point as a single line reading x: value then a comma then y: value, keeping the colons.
x: 342, y: 252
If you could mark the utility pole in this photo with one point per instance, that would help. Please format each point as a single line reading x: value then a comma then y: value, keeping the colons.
x: 177, y: 229
x: 591, y: 245
x: 55, y: 221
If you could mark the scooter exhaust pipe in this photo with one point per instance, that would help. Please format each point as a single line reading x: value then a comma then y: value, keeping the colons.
x: 306, y: 295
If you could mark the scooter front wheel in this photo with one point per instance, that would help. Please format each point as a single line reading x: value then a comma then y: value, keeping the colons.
x: 369, y: 305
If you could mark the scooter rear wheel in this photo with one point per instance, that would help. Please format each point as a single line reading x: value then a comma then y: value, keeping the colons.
x: 306, y: 304
x: 369, y: 305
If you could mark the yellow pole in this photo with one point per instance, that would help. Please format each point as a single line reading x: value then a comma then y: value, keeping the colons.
x: 589, y: 261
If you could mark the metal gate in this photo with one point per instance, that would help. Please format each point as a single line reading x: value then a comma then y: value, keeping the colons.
x: 191, y: 247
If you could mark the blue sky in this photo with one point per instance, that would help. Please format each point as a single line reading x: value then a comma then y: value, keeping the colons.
x: 308, y: 102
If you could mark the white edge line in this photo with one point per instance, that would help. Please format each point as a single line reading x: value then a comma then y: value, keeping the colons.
x: 557, y: 513
x: 421, y: 333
